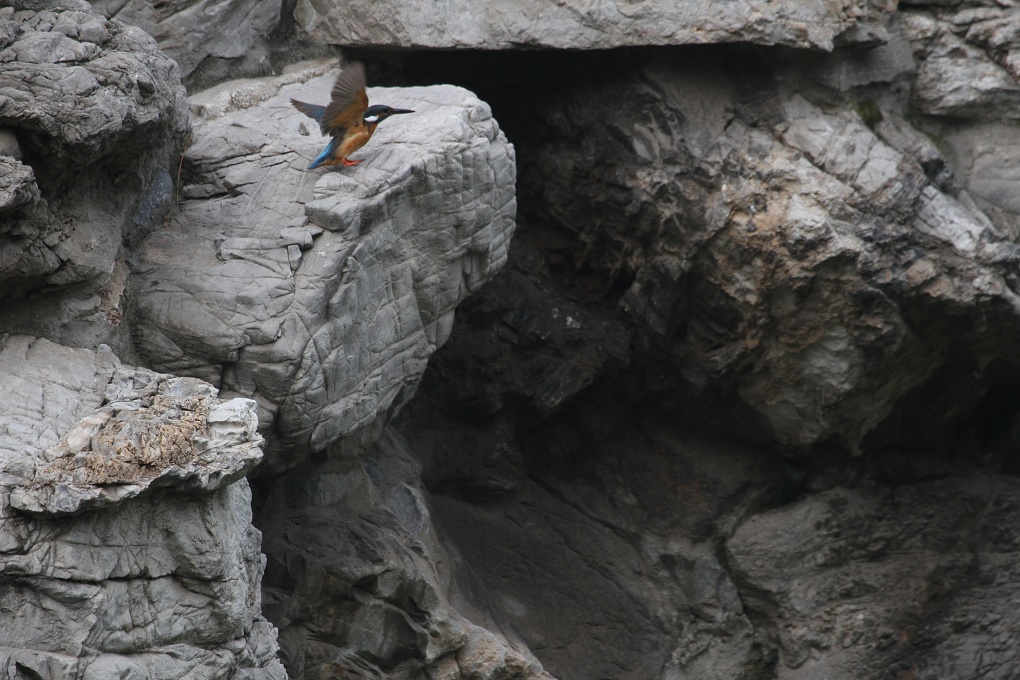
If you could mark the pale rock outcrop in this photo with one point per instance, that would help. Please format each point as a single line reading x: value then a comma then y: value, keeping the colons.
x: 968, y: 83
x: 969, y: 61
x: 191, y: 32
x: 126, y: 544
x: 512, y: 24
x: 92, y: 115
x: 322, y: 294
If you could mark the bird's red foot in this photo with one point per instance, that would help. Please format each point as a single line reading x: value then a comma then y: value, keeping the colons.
x: 347, y: 161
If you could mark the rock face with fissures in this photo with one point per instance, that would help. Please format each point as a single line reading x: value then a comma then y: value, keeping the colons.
x: 91, y: 114
x: 322, y: 294
x: 126, y: 544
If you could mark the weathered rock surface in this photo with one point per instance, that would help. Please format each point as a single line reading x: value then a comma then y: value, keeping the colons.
x: 719, y: 246
x: 136, y: 557
x: 191, y: 32
x: 814, y: 254
x: 93, y: 114
x: 917, y: 581
x: 777, y: 250
x: 511, y: 24
x: 361, y: 586
x: 969, y: 61
x: 602, y: 560
x: 968, y: 82
x: 322, y: 294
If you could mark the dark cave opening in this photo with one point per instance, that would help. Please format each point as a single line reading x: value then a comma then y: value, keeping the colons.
x: 631, y: 440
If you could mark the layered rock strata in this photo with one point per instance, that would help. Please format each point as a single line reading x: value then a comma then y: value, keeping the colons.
x: 126, y: 545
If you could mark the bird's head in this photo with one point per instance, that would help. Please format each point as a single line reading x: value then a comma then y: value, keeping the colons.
x: 376, y: 113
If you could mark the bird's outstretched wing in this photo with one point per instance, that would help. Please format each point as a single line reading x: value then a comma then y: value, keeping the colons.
x: 347, y: 101
x: 312, y: 111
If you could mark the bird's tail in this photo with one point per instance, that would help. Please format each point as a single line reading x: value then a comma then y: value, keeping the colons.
x: 326, y: 154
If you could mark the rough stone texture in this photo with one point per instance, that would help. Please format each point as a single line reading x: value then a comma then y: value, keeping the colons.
x: 716, y: 245
x: 93, y: 114
x: 573, y: 24
x: 152, y: 431
x: 969, y: 83
x: 157, y: 583
x: 811, y: 254
x: 779, y: 250
x: 322, y: 294
x: 606, y: 572
x: 191, y: 32
x: 969, y: 61
x: 917, y: 581
x: 359, y: 583
x: 580, y: 515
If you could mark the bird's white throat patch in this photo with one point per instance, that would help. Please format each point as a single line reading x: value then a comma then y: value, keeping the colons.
x: 371, y: 119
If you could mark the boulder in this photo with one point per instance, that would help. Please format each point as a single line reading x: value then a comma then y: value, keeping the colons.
x: 321, y: 294
x: 511, y: 24
x: 126, y: 544
x: 93, y: 118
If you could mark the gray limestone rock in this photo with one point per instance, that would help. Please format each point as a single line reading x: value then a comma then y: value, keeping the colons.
x: 94, y: 115
x: 164, y: 436
x: 322, y: 294
x: 137, y: 557
x: 792, y: 252
x: 968, y: 85
x: 573, y: 24
x: 815, y: 254
x: 17, y: 184
x: 190, y: 32
x: 969, y: 62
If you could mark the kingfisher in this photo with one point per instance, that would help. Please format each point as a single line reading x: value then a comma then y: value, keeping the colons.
x: 348, y: 118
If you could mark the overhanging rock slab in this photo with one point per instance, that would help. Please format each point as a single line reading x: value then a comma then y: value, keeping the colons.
x: 584, y: 24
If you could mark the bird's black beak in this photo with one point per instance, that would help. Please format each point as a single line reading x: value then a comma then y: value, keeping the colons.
x: 401, y: 111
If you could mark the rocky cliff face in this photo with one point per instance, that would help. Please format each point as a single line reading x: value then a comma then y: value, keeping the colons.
x: 739, y: 400
x: 127, y: 544
x: 758, y: 324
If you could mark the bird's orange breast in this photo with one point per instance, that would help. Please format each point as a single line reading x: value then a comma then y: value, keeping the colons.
x: 354, y: 139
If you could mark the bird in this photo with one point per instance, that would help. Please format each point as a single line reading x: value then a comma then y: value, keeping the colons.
x: 348, y: 118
